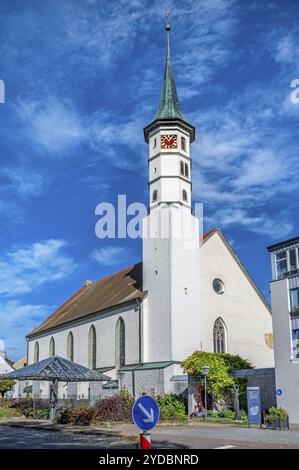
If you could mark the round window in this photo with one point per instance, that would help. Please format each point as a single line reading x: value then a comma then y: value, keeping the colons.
x: 218, y: 286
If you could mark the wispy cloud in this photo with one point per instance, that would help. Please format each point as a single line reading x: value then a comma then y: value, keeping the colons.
x: 53, y: 124
x: 279, y: 226
x: 23, y: 182
x: 247, y: 162
x: 109, y: 256
x: 27, y: 269
x: 284, y: 46
x: 16, y: 321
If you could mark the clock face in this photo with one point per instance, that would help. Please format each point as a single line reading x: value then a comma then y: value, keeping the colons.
x: 169, y: 141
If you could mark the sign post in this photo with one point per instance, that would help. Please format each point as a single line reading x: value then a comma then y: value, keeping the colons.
x: 236, y: 402
x: 254, y: 406
x: 145, y: 415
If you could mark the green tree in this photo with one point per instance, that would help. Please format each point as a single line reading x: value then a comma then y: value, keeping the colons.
x: 235, y: 362
x: 6, y: 385
x: 219, y: 381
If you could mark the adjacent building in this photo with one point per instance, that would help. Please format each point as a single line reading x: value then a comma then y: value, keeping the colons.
x: 285, y: 316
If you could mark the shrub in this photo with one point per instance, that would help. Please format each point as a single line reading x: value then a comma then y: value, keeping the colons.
x: 128, y: 399
x: 5, y: 402
x: 115, y: 408
x: 226, y: 414
x: 80, y: 416
x: 213, y: 414
x: 235, y: 362
x: 219, y: 381
x: 171, y: 406
x: 275, y: 414
x: 8, y: 413
x: 6, y: 385
x: 24, y: 406
x: 42, y: 413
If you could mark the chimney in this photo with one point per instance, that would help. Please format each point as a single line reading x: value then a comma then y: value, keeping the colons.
x: 2, y: 349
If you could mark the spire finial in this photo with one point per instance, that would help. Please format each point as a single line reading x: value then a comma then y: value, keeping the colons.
x: 167, y: 14
x: 167, y: 29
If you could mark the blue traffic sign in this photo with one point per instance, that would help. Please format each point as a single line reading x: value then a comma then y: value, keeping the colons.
x: 145, y: 413
x: 279, y: 392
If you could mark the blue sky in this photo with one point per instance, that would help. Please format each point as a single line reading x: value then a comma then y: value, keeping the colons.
x: 82, y: 80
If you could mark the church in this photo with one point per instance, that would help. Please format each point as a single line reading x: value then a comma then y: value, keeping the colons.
x: 189, y: 293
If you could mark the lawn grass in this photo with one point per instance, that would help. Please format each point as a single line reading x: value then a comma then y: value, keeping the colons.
x: 221, y: 421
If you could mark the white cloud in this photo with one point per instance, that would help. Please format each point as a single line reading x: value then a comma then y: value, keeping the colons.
x: 263, y: 168
x: 54, y: 124
x: 26, y: 269
x: 285, y: 47
x: 263, y: 224
x: 16, y: 321
x: 24, y: 182
x: 109, y: 256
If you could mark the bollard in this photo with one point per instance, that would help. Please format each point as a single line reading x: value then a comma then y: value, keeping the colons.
x: 145, y: 441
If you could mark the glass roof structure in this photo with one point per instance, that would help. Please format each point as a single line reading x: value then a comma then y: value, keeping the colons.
x: 57, y: 368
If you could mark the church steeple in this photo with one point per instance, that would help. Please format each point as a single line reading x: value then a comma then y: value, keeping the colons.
x: 169, y: 107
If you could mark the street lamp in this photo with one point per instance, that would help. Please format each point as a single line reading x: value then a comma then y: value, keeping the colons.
x: 205, y: 371
x: 120, y: 376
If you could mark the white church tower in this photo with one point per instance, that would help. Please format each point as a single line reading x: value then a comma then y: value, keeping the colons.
x: 171, y: 238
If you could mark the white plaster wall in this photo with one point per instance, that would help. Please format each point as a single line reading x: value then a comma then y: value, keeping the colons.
x: 171, y: 277
x: 246, y: 317
x: 156, y: 263
x: 167, y: 164
x: 185, y: 281
x: 104, y: 324
x: 286, y: 370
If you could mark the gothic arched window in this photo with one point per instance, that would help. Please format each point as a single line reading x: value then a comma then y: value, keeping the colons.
x: 70, y: 347
x: 185, y: 195
x: 155, y: 195
x: 36, y: 352
x: 52, y: 347
x: 92, y: 348
x: 219, y: 336
x: 183, y: 143
x: 120, y: 338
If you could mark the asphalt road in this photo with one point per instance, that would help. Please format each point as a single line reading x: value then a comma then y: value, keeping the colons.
x: 176, y: 437
x: 20, y: 438
x: 227, y: 437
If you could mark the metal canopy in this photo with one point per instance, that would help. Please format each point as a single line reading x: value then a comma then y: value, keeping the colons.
x: 255, y: 372
x: 57, y: 368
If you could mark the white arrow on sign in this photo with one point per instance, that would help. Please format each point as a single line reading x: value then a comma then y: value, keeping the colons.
x: 149, y: 416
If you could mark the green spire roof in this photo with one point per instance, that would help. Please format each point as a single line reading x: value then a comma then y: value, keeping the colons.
x: 169, y: 106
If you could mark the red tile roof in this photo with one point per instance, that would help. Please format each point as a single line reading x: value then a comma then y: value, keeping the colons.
x: 111, y: 291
